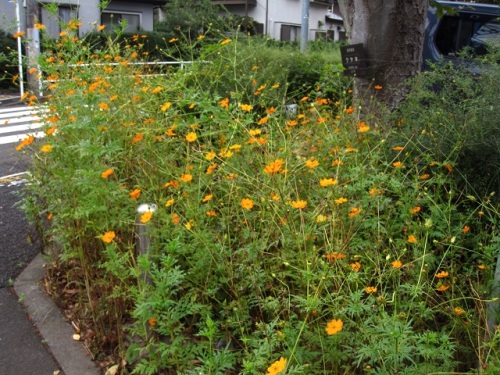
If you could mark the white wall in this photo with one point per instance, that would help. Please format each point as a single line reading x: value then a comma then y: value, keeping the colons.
x: 145, y: 10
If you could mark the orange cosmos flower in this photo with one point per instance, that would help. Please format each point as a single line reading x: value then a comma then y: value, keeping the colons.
x: 107, y: 173
x: 108, y: 236
x: 135, y: 194
x: 415, y: 210
x: 19, y: 34
x: 175, y: 219
x: 274, y: 167
x: 191, y: 137
x: 277, y: 367
x: 246, y: 107
x: 397, y: 264
x: 271, y: 110
x: 425, y: 176
x: 334, y: 326
x: 370, y: 289
x: 152, y: 322
x: 172, y: 183
x: 334, y: 256
x: 207, y: 197
x: 465, y: 229
x: 312, y: 163
x: 211, y: 168
x: 299, y: 204
x: 138, y: 137
x: 412, y: 239
x: 377, y: 87
x: 146, y: 217
x: 443, y: 288
x: 363, y: 127
x: 356, y: 266
x: 225, y: 41
x: 224, y: 103
x: 186, y: 177
x: 397, y: 164
x: 340, y: 200
x: 442, y: 274
x: 169, y: 202
x: 247, y: 203
x: 459, y: 311
x: 324, y: 182
x: 211, y: 213
x: 166, y: 106
x: 46, y: 148
x: 354, y: 211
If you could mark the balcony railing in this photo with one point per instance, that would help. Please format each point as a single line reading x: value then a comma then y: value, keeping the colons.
x: 235, y: 2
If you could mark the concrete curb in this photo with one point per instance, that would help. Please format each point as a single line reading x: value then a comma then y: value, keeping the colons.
x: 56, y: 332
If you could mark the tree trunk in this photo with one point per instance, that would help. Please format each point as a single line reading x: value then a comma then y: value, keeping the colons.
x: 392, y: 32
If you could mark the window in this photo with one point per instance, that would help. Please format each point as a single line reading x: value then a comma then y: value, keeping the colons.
x: 113, y: 19
x: 290, y: 33
x: 53, y: 23
x: 456, y: 33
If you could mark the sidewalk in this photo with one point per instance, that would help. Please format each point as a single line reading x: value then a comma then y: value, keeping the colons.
x: 57, y: 334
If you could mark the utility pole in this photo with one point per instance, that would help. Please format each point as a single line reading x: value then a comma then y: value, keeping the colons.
x: 33, y: 46
x: 304, y: 28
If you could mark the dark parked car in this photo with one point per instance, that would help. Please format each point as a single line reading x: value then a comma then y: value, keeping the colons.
x: 471, y: 25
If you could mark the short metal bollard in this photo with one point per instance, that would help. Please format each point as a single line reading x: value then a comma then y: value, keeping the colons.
x: 143, y: 238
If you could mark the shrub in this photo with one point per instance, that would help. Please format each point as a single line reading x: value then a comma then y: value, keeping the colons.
x: 281, y: 238
x: 8, y: 60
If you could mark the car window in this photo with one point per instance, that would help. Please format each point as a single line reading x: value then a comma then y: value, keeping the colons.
x: 456, y: 33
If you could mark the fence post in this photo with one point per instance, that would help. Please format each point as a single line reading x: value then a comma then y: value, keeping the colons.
x: 143, y: 237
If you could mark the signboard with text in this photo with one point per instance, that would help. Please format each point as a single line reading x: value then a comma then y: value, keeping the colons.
x: 354, y: 59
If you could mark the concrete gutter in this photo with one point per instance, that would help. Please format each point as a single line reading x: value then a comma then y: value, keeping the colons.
x: 55, y: 330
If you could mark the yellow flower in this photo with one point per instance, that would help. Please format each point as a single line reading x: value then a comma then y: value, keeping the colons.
x: 246, y: 107
x: 277, y: 367
x: 442, y: 274
x: 169, y: 202
x: 101, y: 27
x: 321, y: 218
x: 247, y: 203
x: 363, y: 127
x: 103, y: 106
x: 173, y: 40
x: 275, y: 197
x: 107, y: 173
x: 412, y: 239
x: 397, y: 264
x: 299, y: 204
x: 356, y: 266
x: 108, y: 236
x: 340, y: 200
x: 134, y: 195
x: 334, y: 326
x: 312, y: 163
x: 191, y: 137
x: 225, y: 41
x: 274, y: 167
x: 375, y: 191
x: 200, y: 37
x: 324, y: 182
x: 189, y: 224
x: 370, y: 289
x: 186, y: 177
x: 398, y: 148
x: 211, y: 213
x: 19, y: 34
x: 397, y: 164
x: 146, y: 216
x: 46, y: 148
x: 166, y: 106
x: 39, y: 26
x: 211, y: 168
x: 263, y: 120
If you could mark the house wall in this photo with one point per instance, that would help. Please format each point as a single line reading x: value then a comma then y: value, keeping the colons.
x: 88, y: 14
x: 8, y: 16
x: 145, y: 10
x: 283, y: 12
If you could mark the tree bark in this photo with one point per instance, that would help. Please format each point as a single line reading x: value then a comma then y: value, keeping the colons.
x: 392, y: 32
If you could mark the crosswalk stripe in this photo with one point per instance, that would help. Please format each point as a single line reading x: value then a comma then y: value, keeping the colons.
x: 22, y: 120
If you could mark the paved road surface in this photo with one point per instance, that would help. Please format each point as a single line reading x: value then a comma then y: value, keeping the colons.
x: 21, y: 349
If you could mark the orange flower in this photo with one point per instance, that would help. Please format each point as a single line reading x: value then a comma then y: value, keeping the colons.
x: 299, y: 204
x: 397, y: 164
x: 354, y: 211
x: 363, y: 127
x: 172, y: 183
x: 356, y: 266
x: 173, y: 40
x: 186, y: 177
x: 425, y: 176
x: 271, y: 110
x: 247, y: 203
x: 175, y: 219
x: 398, y: 148
x: 152, y: 322
x: 146, y: 217
x: 397, y: 264
x: 46, y: 148
x: 263, y: 120
x: 377, y: 87
x: 481, y: 266
x: 459, y: 311
x: 349, y: 110
x: 103, y: 106
x: 211, y: 168
x: 321, y: 218
x: 101, y: 27
x: 415, y: 210
x: 371, y: 289
x: 108, y: 236
x: 334, y: 326
x: 191, y: 137
x: 375, y: 191
x: 324, y: 182
x: 274, y: 167
x: 19, y: 34
x: 246, y: 107
x: 166, y: 106
x: 449, y: 167
x: 442, y: 274
x: 225, y: 41
x: 412, y: 239
x: 207, y: 197
x: 224, y: 103
x: 277, y: 367
x: 169, y: 202
x: 443, y: 288
x: 312, y: 163
x: 334, y: 256
x: 465, y: 229
x: 107, y: 173
x: 137, y: 138
x: 134, y: 195
x: 340, y: 200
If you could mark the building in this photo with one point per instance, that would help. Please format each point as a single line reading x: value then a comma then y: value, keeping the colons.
x: 282, y: 19
x: 137, y: 13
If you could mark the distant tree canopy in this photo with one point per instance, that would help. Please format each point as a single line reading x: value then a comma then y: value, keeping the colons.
x: 192, y: 18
